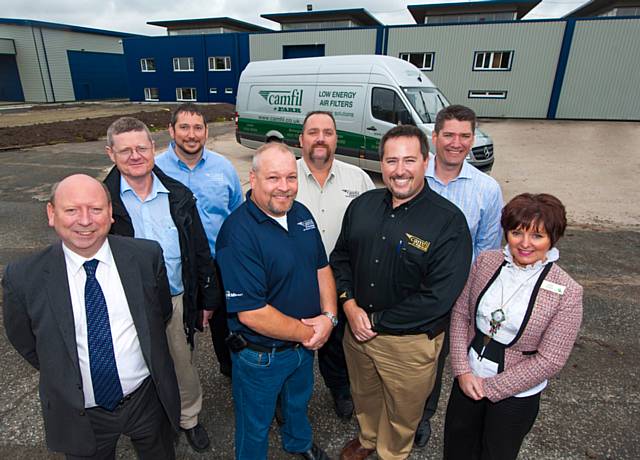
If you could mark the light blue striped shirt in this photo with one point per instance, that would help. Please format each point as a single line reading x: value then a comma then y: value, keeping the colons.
x: 213, y: 181
x: 479, y: 197
x: 152, y: 220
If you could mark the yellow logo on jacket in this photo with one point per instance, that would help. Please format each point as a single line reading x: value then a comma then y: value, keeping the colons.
x: 417, y: 243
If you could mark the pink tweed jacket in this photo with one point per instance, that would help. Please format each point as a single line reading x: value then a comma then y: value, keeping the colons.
x: 543, y: 347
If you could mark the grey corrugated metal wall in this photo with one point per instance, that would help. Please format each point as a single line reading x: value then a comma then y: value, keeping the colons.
x: 41, y: 58
x: 602, y: 79
x: 536, y: 48
x: 337, y: 42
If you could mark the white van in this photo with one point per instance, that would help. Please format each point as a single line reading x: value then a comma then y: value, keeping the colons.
x: 367, y: 94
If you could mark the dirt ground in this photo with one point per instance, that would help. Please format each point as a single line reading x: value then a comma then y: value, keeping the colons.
x: 45, y: 125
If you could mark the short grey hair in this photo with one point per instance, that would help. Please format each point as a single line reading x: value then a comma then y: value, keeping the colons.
x: 126, y: 125
x: 255, y: 163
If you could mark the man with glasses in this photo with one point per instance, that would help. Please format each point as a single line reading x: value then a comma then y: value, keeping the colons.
x: 149, y: 204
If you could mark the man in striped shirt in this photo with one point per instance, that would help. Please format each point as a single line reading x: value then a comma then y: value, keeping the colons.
x: 478, y: 196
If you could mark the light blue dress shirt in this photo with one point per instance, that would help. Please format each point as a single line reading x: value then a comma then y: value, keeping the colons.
x: 152, y: 220
x: 213, y: 181
x: 479, y: 197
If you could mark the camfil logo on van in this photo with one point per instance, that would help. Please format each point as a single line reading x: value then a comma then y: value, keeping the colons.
x: 283, y: 101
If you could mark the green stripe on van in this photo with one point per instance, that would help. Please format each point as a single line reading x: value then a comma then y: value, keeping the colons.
x: 291, y: 131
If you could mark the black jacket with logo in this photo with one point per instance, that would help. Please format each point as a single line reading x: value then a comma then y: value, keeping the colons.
x: 199, y: 277
x: 405, y: 266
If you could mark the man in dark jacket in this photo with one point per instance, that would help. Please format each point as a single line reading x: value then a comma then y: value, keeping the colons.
x: 149, y: 204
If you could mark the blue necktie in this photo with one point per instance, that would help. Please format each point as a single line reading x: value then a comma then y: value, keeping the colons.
x: 107, y: 390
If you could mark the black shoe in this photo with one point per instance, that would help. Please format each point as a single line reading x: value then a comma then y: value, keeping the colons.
x: 315, y: 453
x: 343, y: 406
x: 423, y: 433
x: 225, y: 370
x: 198, y: 438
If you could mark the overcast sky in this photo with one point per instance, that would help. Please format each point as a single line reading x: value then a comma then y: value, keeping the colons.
x: 132, y: 15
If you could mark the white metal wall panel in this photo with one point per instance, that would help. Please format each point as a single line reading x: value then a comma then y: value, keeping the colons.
x: 32, y: 80
x: 529, y: 83
x: 602, y: 79
x: 59, y: 41
x: 336, y: 42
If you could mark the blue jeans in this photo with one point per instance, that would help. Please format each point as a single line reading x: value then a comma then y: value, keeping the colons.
x: 258, y: 379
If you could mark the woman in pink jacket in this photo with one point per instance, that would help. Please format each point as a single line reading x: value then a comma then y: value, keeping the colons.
x: 512, y: 328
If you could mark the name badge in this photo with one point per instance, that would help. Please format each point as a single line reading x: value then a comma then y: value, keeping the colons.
x: 552, y: 287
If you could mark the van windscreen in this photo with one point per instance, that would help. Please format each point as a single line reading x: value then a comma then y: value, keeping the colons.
x: 426, y: 101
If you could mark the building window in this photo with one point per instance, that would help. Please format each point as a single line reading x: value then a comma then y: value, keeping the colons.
x: 492, y: 60
x: 183, y: 64
x: 151, y: 94
x: 423, y: 61
x: 218, y: 63
x: 387, y: 106
x: 213, y: 90
x: 228, y: 91
x: 482, y: 94
x: 186, y: 94
x: 148, y: 64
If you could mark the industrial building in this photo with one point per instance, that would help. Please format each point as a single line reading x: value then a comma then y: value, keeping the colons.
x: 49, y: 62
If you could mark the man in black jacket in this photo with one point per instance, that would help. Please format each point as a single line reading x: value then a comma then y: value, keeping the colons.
x: 401, y: 260
x: 149, y: 204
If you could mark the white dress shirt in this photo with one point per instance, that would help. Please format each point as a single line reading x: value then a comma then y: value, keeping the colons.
x: 132, y: 368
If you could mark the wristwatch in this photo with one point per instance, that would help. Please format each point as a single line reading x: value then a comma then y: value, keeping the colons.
x: 332, y: 317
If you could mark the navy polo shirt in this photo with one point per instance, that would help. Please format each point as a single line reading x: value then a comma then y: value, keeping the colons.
x: 262, y: 263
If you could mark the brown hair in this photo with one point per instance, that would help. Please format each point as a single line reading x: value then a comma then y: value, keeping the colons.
x: 126, y: 125
x: 189, y: 108
x: 529, y: 210
x: 406, y: 131
x: 318, y: 112
x: 455, y: 112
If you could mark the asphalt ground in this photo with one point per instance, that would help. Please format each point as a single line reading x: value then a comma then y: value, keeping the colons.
x: 590, y: 410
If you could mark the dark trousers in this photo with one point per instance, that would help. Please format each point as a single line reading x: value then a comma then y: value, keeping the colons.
x: 219, y: 332
x: 485, y: 430
x: 431, y: 406
x: 331, y: 362
x: 142, y: 418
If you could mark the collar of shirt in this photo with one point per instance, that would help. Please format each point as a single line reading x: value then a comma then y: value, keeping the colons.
x: 156, y: 187
x: 75, y: 261
x: 552, y: 255
x: 307, y: 171
x: 181, y: 164
x: 465, y: 172
x: 258, y: 214
x: 388, y: 198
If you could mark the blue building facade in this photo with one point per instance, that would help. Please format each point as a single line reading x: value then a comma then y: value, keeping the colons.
x: 202, y: 68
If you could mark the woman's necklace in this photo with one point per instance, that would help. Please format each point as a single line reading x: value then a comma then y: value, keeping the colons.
x: 498, y: 316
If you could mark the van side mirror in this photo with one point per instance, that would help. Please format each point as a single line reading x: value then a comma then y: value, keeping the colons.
x: 405, y: 118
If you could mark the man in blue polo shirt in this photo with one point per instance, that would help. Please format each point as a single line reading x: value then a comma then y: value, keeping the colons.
x: 215, y: 184
x: 281, y: 299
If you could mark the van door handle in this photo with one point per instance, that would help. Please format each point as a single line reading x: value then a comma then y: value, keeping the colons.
x: 372, y: 128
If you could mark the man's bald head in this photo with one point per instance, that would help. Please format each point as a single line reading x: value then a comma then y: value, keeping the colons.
x: 80, y: 212
x: 78, y: 179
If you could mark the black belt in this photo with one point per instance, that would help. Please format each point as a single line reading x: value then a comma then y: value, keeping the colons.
x: 134, y: 392
x: 263, y: 349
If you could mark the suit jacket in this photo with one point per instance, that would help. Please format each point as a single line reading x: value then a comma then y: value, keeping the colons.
x: 546, y: 337
x: 38, y: 319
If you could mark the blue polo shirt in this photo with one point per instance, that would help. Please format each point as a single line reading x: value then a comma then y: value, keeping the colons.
x: 262, y: 263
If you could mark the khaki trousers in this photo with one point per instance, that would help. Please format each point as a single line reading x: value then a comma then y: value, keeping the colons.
x: 391, y: 378
x: 184, y: 363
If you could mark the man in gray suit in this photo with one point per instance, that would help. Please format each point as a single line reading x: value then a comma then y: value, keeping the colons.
x: 89, y: 313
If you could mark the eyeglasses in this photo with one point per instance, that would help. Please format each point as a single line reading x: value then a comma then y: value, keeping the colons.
x: 126, y: 153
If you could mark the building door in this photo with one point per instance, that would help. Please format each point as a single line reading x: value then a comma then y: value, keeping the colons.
x: 10, y: 87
